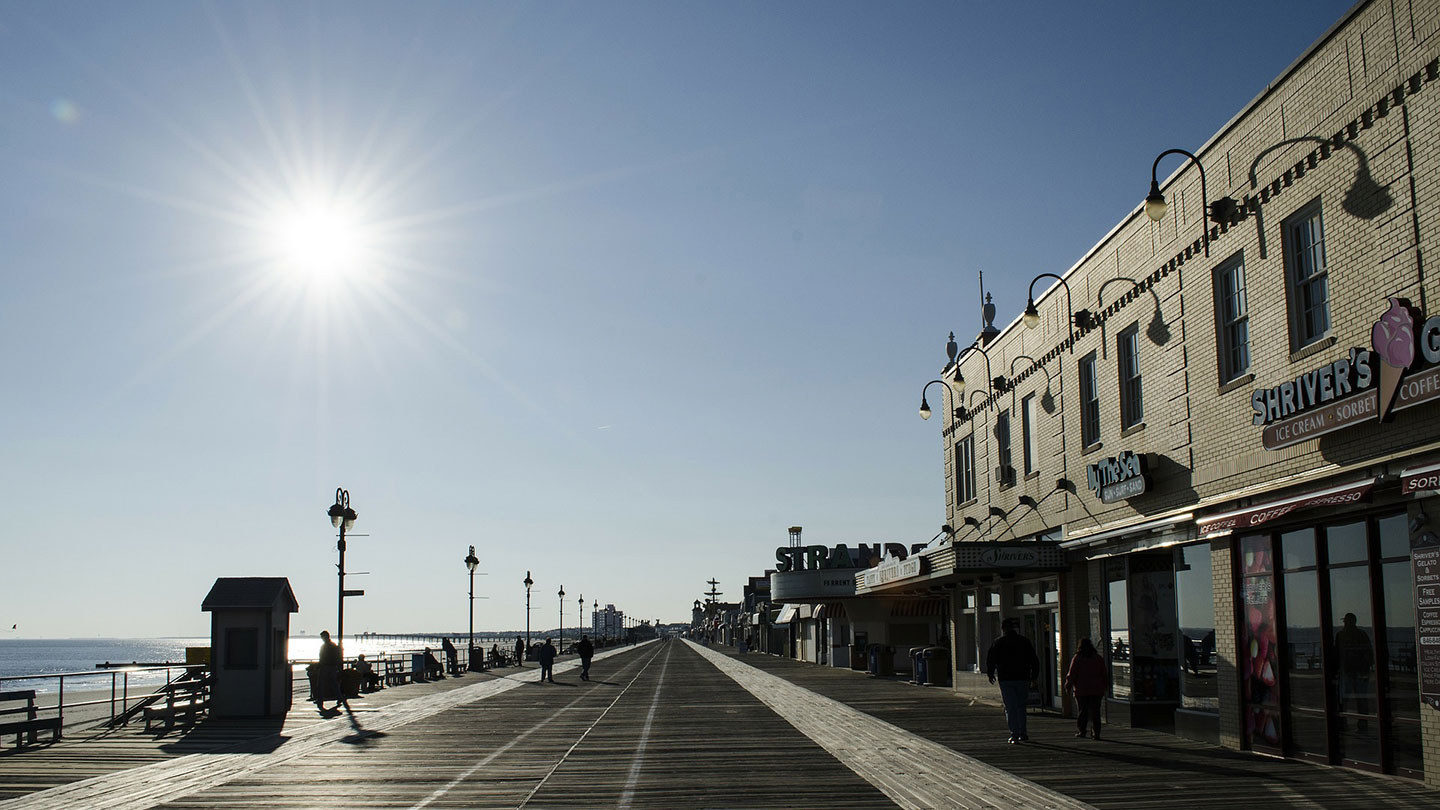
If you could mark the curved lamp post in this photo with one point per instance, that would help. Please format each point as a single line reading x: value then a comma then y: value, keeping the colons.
x: 1222, y: 210
x: 1078, y: 317
x: 342, y: 517
x: 959, y: 379
x: 472, y: 562
x: 528, y: 583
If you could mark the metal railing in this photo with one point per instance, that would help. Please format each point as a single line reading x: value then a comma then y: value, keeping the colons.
x: 119, y: 701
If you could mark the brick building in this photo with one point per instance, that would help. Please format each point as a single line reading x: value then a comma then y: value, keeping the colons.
x: 1225, y: 420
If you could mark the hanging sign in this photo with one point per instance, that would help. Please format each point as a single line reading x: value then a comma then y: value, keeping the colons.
x: 1118, y: 478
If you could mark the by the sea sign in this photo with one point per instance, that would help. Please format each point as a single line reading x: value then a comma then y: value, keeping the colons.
x: 1364, y: 385
x: 1119, y: 478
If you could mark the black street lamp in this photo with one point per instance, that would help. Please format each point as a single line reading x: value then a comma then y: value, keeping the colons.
x: 1220, y: 211
x: 580, y: 615
x: 472, y: 562
x: 594, y: 623
x: 1080, y: 318
x: 528, y: 583
x: 342, y: 517
x: 562, y: 617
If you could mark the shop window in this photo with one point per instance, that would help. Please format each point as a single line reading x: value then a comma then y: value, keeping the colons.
x: 967, y: 651
x: 1306, y: 276
x: 1026, y: 594
x: 1195, y: 612
x: 965, y: 470
x: 1303, y: 656
x: 1402, y: 682
x: 1127, y: 352
x: 1348, y: 647
x: 1089, y: 402
x: 1118, y: 642
x: 1346, y: 543
x: 1232, y: 319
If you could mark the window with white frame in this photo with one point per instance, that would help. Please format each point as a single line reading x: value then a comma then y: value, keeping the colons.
x: 1232, y: 319
x: 1306, y: 278
x: 1027, y: 431
x: 1005, y: 467
x: 1127, y: 352
x: 965, y: 470
x: 1089, y: 402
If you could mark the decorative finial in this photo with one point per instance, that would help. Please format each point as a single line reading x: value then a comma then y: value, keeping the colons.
x: 951, y: 349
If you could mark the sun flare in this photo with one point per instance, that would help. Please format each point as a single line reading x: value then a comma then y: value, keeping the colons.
x: 318, y: 240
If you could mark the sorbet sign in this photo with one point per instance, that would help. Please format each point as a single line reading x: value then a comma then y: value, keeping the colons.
x: 1360, y: 387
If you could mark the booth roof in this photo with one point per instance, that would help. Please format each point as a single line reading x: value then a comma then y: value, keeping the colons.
x: 252, y: 593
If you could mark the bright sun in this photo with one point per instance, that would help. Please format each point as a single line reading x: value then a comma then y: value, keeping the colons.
x: 318, y: 240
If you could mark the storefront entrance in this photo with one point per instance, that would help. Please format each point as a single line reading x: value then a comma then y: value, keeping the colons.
x: 1328, y: 644
x: 1042, y: 627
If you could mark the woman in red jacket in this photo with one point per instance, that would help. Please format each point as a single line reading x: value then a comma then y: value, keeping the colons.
x: 1087, y: 680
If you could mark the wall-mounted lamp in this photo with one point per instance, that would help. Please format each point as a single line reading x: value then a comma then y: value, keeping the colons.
x: 958, y: 379
x: 925, y: 404
x: 1081, y: 318
x: 1221, y: 211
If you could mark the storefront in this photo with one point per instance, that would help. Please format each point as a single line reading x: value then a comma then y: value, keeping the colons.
x: 1327, y: 626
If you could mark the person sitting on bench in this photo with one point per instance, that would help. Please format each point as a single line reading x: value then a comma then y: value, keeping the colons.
x: 432, y: 665
x: 369, y: 680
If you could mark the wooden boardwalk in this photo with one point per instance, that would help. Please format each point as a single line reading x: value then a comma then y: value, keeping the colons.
x: 667, y: 725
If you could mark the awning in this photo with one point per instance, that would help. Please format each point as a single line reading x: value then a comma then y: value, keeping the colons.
x: 831, y: 610
x: 787, y: 614
x: 917, y: 608
x: 1420, y: 479
x: 1251, y: 516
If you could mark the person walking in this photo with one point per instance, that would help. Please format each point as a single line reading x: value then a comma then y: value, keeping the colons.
x: 519, y: 651
x: 330, y: 672
x: 1087, y: 679
x: 586, y: 651
x: 547, y: 661
x: 1012, y: 661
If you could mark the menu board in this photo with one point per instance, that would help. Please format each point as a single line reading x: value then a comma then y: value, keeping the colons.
x: 1425, y: 562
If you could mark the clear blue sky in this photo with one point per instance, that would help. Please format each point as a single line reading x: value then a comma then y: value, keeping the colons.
x: 618, y: 291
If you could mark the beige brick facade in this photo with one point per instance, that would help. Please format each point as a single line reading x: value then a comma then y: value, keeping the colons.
x: 1353, y: 127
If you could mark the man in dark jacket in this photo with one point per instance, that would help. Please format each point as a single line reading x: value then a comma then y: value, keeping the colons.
x: 547, y: 661
x: 330, y: 664
x: 1012, y: 661
x: 586, y: 651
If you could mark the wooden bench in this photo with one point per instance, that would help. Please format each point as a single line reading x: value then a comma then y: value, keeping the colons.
x: 396, y: 672
x: 184, y: 700
x: 26, y: 730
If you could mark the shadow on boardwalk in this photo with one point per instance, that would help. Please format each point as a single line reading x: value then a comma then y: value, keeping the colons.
x: 1133, y: 769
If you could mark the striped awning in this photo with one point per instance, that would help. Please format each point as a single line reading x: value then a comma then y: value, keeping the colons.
x: 831, y: 610
x: 917, y: 608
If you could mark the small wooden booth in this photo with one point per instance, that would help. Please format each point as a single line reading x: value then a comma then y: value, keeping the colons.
x: 249, y: 639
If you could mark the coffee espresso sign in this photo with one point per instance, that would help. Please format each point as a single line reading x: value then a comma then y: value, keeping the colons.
x: 1364, y: 385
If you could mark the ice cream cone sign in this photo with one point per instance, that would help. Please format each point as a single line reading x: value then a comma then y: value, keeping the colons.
x: 1393, y: 338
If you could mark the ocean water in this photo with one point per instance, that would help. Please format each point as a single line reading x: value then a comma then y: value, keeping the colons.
x: 20, y: 657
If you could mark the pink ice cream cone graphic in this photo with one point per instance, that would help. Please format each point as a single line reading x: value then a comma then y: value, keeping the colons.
x: 1394, y: 340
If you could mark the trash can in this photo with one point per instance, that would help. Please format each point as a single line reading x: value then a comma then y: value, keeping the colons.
x: 475, y: 661
x: 917, y: 665
x: 882, y: 660
x: 418, y: 672
x: 937, y: 666
x: 857, y: 657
